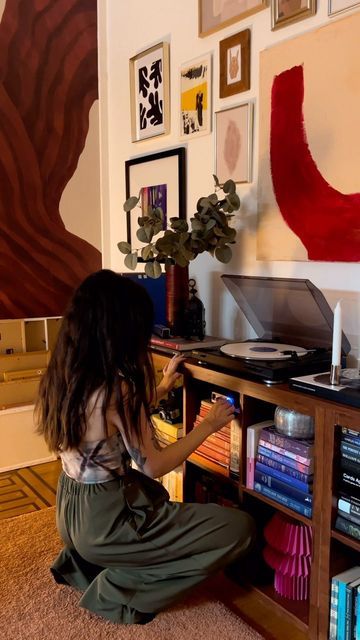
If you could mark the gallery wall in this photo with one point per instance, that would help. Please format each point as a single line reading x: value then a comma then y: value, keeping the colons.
x: 125, y: 30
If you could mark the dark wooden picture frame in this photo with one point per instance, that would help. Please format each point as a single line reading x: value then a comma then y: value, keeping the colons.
x: 165, y: 168
x: 234, y: 54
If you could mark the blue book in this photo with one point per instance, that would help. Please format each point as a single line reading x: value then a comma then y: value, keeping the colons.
x: 290, y: 462
x: 284, y: 468
x: 293, y: 482
x: 287, y: 501
x: 351, y: 591
x: 342, y: 580
x: 283, y: 487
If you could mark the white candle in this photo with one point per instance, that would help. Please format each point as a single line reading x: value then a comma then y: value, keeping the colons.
x: 336, y: 345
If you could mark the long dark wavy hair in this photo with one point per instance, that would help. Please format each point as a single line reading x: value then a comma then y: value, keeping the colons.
x: 105, y: 330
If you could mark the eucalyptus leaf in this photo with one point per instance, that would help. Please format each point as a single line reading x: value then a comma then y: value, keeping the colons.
x: 147, y: 252
x: 131, y: 260
x: 142, y: 235
x: 223, y: 254
x: 216, y: 180
x: 124, y: 247
x: 153, y: 269
x: 130, y: 203
x: 229, y: 186
x: 213, y: 198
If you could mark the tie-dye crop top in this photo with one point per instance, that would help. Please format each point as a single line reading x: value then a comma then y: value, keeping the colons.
x: 100, y: 460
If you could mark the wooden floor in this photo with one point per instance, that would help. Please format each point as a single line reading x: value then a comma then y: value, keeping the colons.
x: 33, y: 488
x: 28, y: 489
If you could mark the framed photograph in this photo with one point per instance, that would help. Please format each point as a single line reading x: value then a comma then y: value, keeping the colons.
x: 338, y: 6
x: 160, y: 179
x: 218, y: 14
x: 233, y: 143
x: 285, y: 12
x: 149, y: 92
x: 234, y: 64
x: 195, y: 97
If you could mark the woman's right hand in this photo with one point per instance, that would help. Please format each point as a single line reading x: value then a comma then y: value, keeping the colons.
x: 220, y: 414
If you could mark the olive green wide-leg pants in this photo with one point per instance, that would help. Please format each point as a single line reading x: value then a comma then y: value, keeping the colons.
x: 132, y: 552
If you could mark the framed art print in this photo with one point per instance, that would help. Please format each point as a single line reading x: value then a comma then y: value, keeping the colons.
x: 285, y: 12
x: 195, y: 97
x: 338, y: 6
x: 233, y: 143
x: 234, y: 64
x: 160, y: 180
x: 214, y: 15
x: 149, y: 92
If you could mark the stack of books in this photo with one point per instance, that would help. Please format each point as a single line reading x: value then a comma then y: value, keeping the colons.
x: 168, y: 433
x: 345, y: 605
x: 222, y: 447
x: 348, y: 514
x: 209, y: 489
x: 283, y: 469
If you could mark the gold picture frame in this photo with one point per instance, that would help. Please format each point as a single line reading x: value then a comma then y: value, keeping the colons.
x: 149, y: 92
x: 285, y: 12
x: 213, y: 16
x: 234, y: 56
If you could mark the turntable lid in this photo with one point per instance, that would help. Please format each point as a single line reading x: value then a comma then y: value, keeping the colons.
x: 286, y: 310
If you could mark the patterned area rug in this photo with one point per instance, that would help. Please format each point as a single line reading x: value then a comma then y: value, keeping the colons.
x: 33, y: 607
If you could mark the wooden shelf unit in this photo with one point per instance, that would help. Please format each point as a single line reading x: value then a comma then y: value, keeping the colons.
x: 332, y: 550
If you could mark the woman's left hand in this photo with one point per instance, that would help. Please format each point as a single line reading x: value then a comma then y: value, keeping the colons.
x: 171, y: 373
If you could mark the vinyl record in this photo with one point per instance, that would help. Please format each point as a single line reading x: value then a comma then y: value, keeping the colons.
x: 262, y: 350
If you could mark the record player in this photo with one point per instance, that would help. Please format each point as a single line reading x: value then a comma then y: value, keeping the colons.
x: 294, y: 325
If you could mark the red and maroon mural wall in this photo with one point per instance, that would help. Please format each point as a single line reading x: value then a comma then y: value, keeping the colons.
x: 48, y: 83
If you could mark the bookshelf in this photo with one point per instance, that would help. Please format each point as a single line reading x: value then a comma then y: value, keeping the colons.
x: 25, y: 349
x: 333, y: 551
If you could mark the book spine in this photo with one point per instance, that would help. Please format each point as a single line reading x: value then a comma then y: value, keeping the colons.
x: 341, y: 611
x: 216, y: 453
x: 350, y: 439
x: 349, y: 516
x: 250, y: 458
x: 304, y: 449
x: 161, y: 342
x: 333, y: 609
x: 235, y: 446
x: 357, y: 615
x: 350, y: 505
x: 350, y: 479
x: 284, y: 452
x: 283, y: 487
x: 348, y: 613
x: 351, y: 432
x: 287, y: 501
x: 347, y: 527
x: 353, y: 452
x: 284, y: 469
x: 286, y: 460
x: 293, y: 482
x: 210, y: 458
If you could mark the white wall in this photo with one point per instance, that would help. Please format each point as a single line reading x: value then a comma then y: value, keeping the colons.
x: 125, y: 29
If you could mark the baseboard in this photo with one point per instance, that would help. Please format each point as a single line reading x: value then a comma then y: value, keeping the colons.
x: 29, y: 463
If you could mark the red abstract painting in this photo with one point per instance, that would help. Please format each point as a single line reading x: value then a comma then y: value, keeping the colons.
x: 326, y: 220
x: 48, y: 82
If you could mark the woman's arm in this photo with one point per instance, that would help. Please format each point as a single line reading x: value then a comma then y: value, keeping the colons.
x: 155, y: 461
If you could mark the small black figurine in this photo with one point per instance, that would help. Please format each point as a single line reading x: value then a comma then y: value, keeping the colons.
x: 194, y: 316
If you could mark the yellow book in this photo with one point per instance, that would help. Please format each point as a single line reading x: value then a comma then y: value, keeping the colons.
x: 174, y: 430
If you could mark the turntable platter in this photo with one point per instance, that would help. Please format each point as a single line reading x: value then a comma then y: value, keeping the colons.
x: 262, y: 350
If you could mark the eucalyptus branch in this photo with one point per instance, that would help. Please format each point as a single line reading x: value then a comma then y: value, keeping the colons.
x: 209, y: 230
